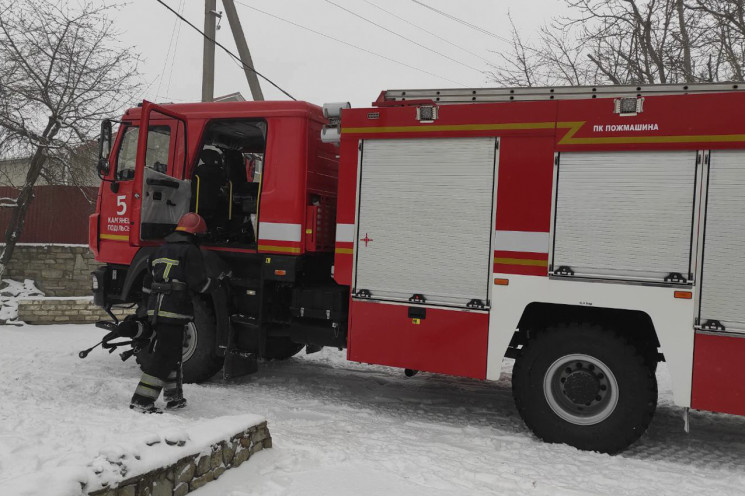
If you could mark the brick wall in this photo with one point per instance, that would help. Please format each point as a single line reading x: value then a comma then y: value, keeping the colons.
x: 64, y: 311
x: 58, y: 270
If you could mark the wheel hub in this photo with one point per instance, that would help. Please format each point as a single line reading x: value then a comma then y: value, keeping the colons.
x: 580, y: 389
x: 581, y: 386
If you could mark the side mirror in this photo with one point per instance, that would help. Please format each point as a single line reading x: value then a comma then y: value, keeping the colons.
x: 104, y: 147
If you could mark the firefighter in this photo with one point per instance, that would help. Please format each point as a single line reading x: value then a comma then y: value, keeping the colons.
x: 178, y: 272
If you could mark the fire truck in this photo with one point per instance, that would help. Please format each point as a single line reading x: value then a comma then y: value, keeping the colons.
x: 588, y: 233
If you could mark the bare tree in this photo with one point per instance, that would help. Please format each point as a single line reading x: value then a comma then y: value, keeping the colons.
x: 632, y: 42
x: 725, y: 21
x: 61, y: 72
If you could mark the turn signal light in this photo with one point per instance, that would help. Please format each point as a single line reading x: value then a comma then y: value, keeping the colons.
x: 684, y: 295
x: 501, y: 282
x: 280, y: 272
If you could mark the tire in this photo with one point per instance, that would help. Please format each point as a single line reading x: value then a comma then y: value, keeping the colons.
x: 584, y: 386
x: 281, y: 348
x: 199, y: 360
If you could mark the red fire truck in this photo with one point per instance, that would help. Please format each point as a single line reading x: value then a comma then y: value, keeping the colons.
x: 589, y: 233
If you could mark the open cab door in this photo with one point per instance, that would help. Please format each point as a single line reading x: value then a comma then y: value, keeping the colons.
x: 160, y: 191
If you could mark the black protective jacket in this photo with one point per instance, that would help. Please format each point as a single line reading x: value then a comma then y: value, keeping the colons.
x: 178, y: 272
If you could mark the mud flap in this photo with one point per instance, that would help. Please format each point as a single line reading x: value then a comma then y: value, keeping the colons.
x: 222, y: 341
x: 238, y: 363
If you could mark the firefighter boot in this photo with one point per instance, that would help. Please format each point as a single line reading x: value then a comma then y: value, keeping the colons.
x: 173, y: 391
x: 147, y: 392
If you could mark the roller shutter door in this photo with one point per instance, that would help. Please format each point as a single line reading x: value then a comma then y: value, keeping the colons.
x: 625, y: 214
x: 425, y: 208
x: 723, y: 276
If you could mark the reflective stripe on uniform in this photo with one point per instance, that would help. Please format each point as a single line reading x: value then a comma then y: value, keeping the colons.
x: 151, y: 380
x: 149, y: 386
x: 169, y: 262
x: 169, y: 315
x: 147, y: 391
x: 171, y: 381
x: 165, y: 261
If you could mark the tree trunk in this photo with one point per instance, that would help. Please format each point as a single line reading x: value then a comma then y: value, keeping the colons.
x: 685, y: 41
x: 25, y: 196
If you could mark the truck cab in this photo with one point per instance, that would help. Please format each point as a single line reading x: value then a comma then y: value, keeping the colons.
x: 259, y: 175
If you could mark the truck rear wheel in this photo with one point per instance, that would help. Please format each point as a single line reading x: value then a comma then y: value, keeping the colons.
x: 585, y: 386
x: 199, y: 358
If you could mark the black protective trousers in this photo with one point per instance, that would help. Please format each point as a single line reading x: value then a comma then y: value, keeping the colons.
x: 168, y: 350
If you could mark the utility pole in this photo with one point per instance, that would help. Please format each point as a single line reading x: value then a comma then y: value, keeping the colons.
x: 240, y: 42
x: 208, y: 57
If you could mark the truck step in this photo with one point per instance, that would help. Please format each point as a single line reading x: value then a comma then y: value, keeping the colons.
x: 244, y: 321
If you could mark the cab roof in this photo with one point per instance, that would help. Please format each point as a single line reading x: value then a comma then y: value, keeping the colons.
x: 212, y: 110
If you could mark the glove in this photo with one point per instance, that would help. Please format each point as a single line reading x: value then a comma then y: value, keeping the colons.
x: 129, y: 328
x: 137, y: 329
x: 224, y: 275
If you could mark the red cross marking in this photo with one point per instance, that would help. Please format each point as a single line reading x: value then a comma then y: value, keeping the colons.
x: 366, y: 239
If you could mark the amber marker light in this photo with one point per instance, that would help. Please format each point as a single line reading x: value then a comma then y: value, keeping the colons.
x: 279, y: 272
x: 683, y: 295
x: 501, y: 282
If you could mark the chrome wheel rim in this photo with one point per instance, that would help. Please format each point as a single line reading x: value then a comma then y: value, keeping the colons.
x: 190, y: 341
x: 580, y: 389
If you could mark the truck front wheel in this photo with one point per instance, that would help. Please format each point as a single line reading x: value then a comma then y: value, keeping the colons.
x: 200, y: 362
x: 585, y: 386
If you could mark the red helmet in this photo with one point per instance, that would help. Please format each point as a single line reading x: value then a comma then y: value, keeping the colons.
x: 192, y: 223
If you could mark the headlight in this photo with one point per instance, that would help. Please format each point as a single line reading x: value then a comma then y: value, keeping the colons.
x: 94, y: 282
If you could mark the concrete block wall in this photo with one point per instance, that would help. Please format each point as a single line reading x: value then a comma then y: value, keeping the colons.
x: 194, y: 471
x: 58, y: 270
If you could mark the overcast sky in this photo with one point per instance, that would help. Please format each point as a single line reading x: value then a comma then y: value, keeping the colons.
x: 315, y: 68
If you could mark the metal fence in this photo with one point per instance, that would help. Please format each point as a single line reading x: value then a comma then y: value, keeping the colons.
x: 57, y: 214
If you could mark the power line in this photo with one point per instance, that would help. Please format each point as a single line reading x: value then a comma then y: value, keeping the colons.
x: 475, y: 27
x: 226, y: 50
x: 370, y: 52
x: 173, y: 60
x: 427, y: 31
x: 168, y: 54
x: 461, y: 21
x: 403, y: 37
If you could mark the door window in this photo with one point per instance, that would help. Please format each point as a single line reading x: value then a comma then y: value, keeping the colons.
x: 158, y: 146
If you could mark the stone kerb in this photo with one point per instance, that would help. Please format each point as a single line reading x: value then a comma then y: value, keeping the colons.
x: 187, y: 473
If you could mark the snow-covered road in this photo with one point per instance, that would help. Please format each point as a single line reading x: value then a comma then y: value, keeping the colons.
x: 343, y: 428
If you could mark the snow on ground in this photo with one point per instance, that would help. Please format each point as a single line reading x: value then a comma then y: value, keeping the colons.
x: 10, y: 292
x: 341, y: 427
